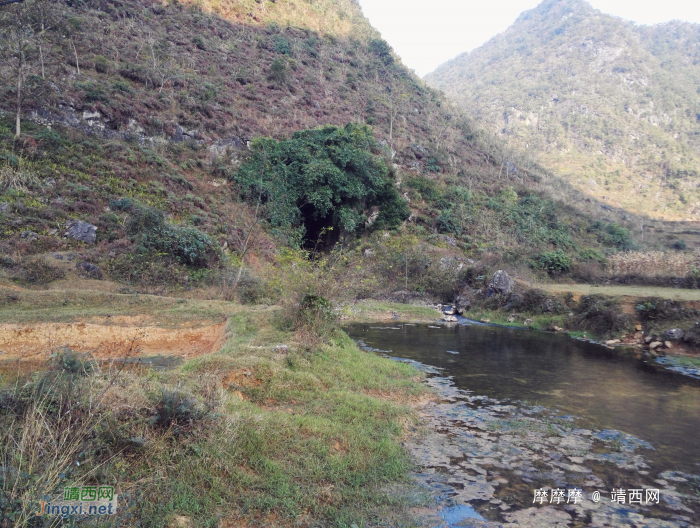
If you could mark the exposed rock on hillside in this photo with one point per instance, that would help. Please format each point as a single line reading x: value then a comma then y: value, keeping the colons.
x: 82, y: 231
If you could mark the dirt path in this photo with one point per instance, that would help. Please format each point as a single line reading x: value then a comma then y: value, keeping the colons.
x: 623, y: 291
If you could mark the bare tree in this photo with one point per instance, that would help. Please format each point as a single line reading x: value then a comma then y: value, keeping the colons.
x: 163, y: 65
x: 395, y: 103
x: 24, y: 26
x: 244, y: 233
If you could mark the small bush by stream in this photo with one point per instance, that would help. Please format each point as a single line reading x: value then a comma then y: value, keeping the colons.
x: 601, y: 316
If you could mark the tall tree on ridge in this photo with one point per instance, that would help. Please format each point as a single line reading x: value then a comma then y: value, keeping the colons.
x: 24, y: 26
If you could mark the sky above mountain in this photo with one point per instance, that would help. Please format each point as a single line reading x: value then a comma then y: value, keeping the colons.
x: 426, y: 33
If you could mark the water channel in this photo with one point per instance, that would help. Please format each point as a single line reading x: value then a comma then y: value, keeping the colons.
x: 545, y: 410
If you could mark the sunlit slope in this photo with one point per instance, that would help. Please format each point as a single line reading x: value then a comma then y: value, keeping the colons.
x: 340, y: 18
x: 611, y: 106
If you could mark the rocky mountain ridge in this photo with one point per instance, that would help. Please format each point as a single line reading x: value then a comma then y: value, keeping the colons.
x: 612, y: 106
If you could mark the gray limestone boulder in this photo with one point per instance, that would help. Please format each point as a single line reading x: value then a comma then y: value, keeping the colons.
x: 82, y: 231
x: 501, y: 283
x: 89, y: 270
x: 29, y: 235
x: 462, y: 303
x: 674, y: 334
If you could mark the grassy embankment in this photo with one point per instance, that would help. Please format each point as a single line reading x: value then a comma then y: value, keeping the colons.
x: 253, y: 433
x: 625, y: 291
x: 369, y: 311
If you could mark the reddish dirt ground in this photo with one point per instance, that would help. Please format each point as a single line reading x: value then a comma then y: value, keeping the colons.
x: 32, y: 342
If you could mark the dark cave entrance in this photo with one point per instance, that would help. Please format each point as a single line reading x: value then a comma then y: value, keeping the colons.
x: 320, y: 232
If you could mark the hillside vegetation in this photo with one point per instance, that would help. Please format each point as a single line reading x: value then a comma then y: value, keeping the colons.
x: 222, y: 182
x: 141, y: 119
x: 611, y: 106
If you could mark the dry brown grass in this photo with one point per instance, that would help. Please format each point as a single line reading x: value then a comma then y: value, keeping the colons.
x: 47, y: 428
x: 339, y: 18
x: 654, y: 263
x: 18, y: 179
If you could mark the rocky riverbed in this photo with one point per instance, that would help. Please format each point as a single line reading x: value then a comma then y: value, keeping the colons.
x: 482, y: 461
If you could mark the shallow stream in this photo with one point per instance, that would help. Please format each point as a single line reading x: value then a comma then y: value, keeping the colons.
x: 523, y: 410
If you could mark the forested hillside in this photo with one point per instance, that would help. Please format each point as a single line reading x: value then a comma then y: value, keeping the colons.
x: 612, y: 106
x: 140, y: 118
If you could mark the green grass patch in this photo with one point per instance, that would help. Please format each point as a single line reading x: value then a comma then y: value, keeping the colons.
x: 32, y: 306
x: 686, y: 361
x: 369, y: 310
x: 625, y: 291
x: 310, y: 439
x: 254, y: 433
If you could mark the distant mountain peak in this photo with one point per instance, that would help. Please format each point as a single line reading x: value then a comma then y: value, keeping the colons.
x: 555, y: 7
x: 556, y: 11
x: 623, y: 124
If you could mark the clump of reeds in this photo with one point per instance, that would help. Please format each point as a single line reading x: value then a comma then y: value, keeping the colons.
x: 16, y: 178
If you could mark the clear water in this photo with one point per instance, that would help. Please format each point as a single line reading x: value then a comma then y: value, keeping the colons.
x: 607, y: 389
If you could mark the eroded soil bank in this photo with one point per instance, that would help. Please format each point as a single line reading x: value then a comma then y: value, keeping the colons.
x: 36, y: 342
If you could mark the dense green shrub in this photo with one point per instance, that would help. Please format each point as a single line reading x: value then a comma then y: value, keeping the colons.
x: 382, y: 50
x: 659, y: 309
x: 646, y: 310
x: 253, y: 290
x: 149, y: 231
x: 433, y: 165
x: 394, y: 210
x: 553, y: 262
x: 101, y: 64
x: 314, y: 316
x: 316, y: 306
x: 534, y: 220
x: 50, y: 139
x: 447, y: 223
x: 589, y: 254
x: 427, y: 188
x: 9, y: 159
x: 281, y: 45
x: 93, y: 92
x: 601, y: 315
x: 320, y: 180
x: 613, y: 235
x: 121, y: 204
x: 278, y: 71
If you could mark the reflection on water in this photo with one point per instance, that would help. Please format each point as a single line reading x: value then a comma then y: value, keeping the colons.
x: 609, y: 390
